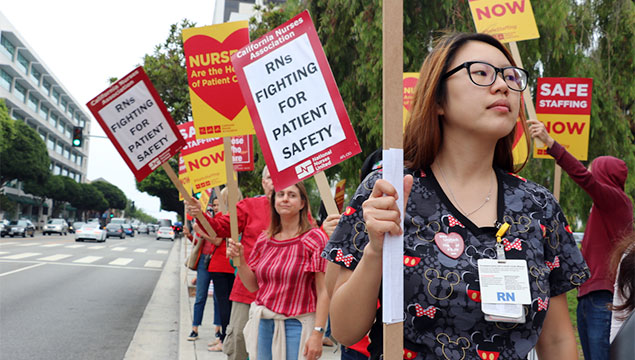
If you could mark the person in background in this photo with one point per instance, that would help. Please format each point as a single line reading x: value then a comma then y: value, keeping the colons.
x: 610, y: 219
x: 203, y: 278
x: 286, y: 272
x: 463, y: 203
x: 253, y: 218
x: 222, y: 274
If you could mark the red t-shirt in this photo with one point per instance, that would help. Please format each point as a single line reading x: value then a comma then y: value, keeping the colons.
x: 254, y: 215
x: 219, y: 262
x: 285, y: 271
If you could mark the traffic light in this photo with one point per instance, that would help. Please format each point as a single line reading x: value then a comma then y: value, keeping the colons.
x: 78, y: 136
x: 198, y: 195
x: 112, y: 215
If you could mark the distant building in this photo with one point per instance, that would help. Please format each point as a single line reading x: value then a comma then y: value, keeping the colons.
x: 235, y: 10
x: 36, y: 96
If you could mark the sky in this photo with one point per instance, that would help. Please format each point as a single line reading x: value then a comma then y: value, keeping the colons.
x: 84, y: 43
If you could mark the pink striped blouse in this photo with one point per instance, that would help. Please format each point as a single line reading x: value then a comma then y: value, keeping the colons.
x: 285, y: 271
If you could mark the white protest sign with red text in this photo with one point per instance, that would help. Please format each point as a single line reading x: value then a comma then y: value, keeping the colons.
x: 564, y: 106
x: 137, y: 122
x: 298, y: 113
x: 243, y: 153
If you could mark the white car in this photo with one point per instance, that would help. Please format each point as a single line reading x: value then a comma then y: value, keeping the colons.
x: 58, y: 226
x: 90, y: 231
x: 165, y: 232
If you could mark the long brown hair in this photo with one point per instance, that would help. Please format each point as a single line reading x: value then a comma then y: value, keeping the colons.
x: 304, y: 223
x: 624, y: 256
x: 423, y: 133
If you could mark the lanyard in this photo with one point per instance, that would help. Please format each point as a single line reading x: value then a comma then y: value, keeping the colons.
x: 500, y: 249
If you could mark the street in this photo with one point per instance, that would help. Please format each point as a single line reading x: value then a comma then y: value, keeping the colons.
x: 61, y: 299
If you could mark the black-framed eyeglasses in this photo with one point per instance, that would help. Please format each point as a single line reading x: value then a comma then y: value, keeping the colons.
x: 484, y: 74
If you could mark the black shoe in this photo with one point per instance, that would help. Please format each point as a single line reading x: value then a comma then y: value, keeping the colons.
x: 193, y: 336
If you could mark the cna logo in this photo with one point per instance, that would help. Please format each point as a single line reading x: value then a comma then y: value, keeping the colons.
x: 154, y: 163
x: 305, y: 169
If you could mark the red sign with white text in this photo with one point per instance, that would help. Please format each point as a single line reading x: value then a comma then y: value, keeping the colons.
x: 564, y: 96
x: 297, y: 111
x: 563, y: 105
x: 137, y: 122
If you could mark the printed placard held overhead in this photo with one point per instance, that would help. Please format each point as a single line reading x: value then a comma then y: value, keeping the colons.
x: 298, y: 113
x: 137, y: 122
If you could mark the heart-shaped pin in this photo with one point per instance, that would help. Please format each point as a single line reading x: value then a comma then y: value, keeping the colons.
x: 451, y: 244
x: 219, y: 91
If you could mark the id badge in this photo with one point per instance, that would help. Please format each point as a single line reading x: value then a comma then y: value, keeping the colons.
x: 504, y: 289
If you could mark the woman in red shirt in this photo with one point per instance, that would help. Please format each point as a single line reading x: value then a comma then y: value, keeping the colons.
x: 286, y: 269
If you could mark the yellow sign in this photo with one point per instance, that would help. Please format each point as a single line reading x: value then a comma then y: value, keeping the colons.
x: 206, y: 168
x: 204, y: 200
x: 506, y: 20
x: 571, y: 131
x: 409, y: 84
x: 520, y: 152
x: 218, y: 107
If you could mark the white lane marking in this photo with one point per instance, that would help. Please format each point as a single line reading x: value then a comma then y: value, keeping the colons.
x: 140, y: 250
x: 24, y: 268
x: 28, y: 244
x: 84, y: 265
x: 75, y: 246
x: 162, y: 251
x: 120, y: 261
x: 88, y: 259
x: 52, y: 245
x: 3, y: 252
x: 96, y: 247
x: 119, y: 248
x: 153, y: 263
x: 21, y: 256
x: 55, y: 257
x: 9, y: 243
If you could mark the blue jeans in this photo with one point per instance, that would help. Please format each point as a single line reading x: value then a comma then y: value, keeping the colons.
x: 223, y: 283
x: 203, y: 278
x: 594, y: 324
x: 292, y: 328
x: 350, y: 354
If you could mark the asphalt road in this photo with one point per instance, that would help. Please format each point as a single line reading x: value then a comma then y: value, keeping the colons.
x: 61, y: 299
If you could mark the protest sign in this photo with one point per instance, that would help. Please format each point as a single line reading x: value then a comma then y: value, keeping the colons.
x: 564, y: 106
x: 183, y: 178
x: 297, y: 111
x: 134, y: 118
x: 506, y: 20
x: 409, y: 83
x: 218, y: 107
x: 243, y: 152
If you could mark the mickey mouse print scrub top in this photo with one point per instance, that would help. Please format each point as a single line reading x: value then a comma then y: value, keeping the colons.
x: 442, y: 309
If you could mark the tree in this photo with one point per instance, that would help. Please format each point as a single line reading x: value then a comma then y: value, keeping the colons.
x: 16, y: 137
x: 91, y: 198
x: 114, y: 196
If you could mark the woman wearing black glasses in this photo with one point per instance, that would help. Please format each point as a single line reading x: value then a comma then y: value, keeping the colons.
x: 488, y: 255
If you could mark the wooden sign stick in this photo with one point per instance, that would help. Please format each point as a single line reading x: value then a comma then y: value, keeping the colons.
x: 531, y: 112
x: 392, y: 78
x: 232, y: 192
x: 222, y: 207
x: 186, y: 195
x: 325, y: 193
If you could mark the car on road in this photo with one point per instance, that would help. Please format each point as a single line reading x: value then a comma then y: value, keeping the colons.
x: 577, y: 236
x: 21, y: 228
x: 165, y: 232
x: 143, y: 229
x: 115, y: 230
x: 74, y: 226
x: 4, y: 227
x: 127, y: 228
x: 90, y: 231
x: 58, y: 226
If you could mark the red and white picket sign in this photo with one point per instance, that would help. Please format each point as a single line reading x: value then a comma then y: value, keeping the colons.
x: 297, y: 111
x: 137, y: 122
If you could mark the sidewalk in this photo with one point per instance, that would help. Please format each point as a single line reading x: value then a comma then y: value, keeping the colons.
x: 167, y: 321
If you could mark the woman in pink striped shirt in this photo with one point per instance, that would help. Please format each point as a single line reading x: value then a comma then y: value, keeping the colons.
x: 286, y: 269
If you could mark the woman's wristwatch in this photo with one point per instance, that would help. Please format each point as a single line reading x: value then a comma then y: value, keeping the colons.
x: 319, y: 329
